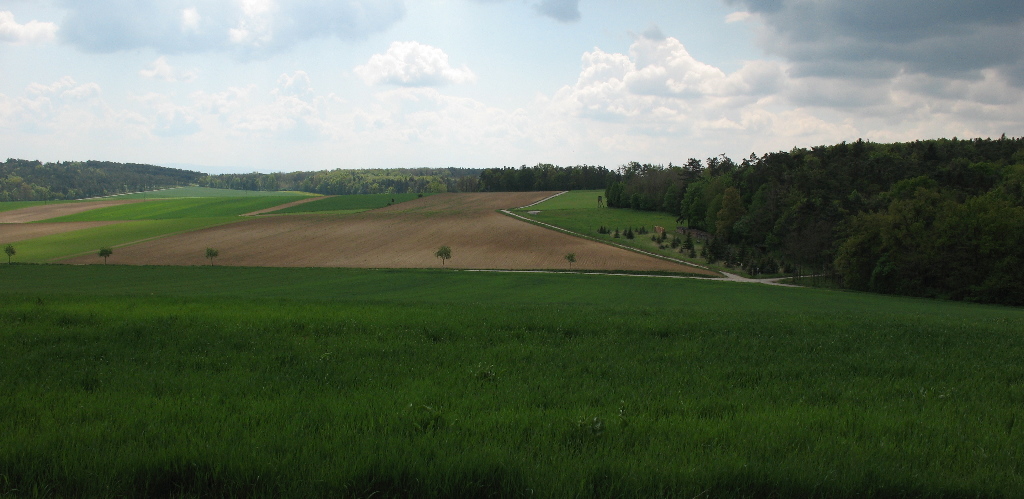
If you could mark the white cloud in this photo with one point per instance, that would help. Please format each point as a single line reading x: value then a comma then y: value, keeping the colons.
x: 248, y: 28
x: 51, y: 108
x: 160, y: 69
x: 412, y: 64
x: 739, y: 16
x: 30, y: 32
x: 255, y: 24
x: 167, y: 119
x: 660, y: 82
x: 297, y: 83
x: 190, y: 19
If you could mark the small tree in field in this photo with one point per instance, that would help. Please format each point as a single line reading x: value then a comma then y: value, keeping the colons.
x: 571, y: 258
x: 104, y: 253
x: 9, y: 249
x: 444, y: 253
x: 212, y: 253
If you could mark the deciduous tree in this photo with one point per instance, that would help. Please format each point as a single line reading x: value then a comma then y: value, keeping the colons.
x: 212, y: 253
x: 444, y: 253
x: 571, y: 258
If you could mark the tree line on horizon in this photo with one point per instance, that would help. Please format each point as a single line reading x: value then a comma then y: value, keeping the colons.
x: 25, y: 180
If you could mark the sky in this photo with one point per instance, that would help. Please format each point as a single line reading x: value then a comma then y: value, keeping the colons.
x: 287, y: 85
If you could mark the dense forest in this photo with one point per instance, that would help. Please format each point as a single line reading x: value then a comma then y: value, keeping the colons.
x: 546, y: 177
x: 366, y: 181
x: 23, y: 180
x: 937, y: 218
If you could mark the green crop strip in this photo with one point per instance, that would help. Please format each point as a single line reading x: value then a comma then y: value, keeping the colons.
x: 49, y: 248
x: 165, y: 209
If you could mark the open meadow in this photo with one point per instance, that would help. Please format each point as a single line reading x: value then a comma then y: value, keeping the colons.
x: 578, y: 211
x: 290, y: 382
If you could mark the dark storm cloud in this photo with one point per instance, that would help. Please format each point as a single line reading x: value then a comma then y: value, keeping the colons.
x: 865, y: 37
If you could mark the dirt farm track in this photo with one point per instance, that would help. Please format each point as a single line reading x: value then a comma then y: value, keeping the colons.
x: 405, y: 235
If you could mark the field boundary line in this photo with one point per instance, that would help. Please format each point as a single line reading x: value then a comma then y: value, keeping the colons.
x: 283, y: 206
x: 511, y: 271
x: 541, y: 201
x: 617, y: 245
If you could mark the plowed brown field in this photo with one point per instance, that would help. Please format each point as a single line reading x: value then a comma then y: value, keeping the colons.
x: 48, y: 211
x: 400, y: 236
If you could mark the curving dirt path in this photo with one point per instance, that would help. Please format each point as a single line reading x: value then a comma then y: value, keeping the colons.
x: 283, y: 206
x: 404, y: 235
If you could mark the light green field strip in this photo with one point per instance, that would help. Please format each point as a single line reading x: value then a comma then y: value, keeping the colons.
x: 163, y: 209
x: 59, y: 246
x: 205, y: 192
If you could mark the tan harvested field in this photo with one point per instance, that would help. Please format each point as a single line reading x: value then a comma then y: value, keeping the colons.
x: 400, y: 236
x: 48, y: 211
x: 14, y: 232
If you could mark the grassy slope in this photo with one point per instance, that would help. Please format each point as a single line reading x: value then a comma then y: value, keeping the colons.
x: 353, y: 203
x: 153, y: 218
x: 165, y: 209
x: 351, y: 382
x: 59, y: 246
x: 207, y: 192
x: 577, y: 211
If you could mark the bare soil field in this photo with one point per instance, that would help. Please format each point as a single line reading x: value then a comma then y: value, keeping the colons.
x: 48, y: 211
x: 405, y: 235
x: 14, y: 232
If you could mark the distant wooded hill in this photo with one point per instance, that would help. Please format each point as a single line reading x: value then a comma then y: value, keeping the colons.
x: 23, y: 180
x: 936, y: 218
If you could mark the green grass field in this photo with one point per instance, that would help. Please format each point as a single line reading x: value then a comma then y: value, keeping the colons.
x: 578, y: 212
x: 68, y: 244
x: 572, y: 200
x: 205, y: 192
x: 217, y: 381
x: 353, y: 203
x: 179, y: 208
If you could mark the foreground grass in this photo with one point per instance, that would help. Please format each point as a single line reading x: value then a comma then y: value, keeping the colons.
x: 68, y: 244
x: 299, y: 382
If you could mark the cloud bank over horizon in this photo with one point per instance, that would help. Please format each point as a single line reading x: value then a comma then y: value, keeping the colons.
x: 301, y: 84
